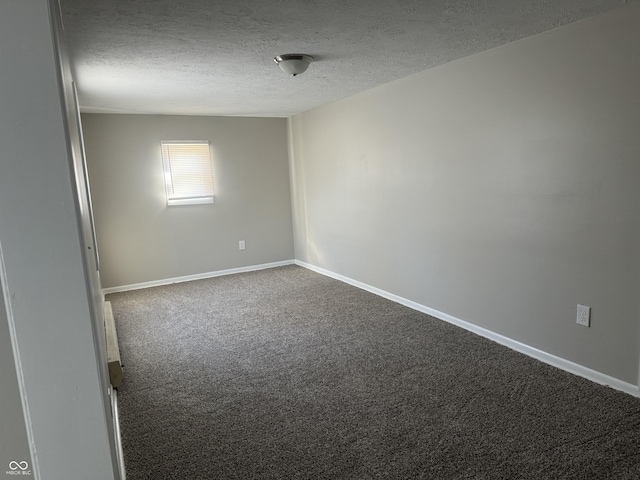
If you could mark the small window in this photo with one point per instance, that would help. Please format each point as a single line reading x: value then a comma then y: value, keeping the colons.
x: 187, y: 172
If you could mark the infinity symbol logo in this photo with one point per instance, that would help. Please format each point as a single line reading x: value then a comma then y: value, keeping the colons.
x: 13, y: 465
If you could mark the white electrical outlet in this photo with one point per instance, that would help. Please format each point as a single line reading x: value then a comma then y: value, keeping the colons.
x: 241, y: 245
x: 584, y: 315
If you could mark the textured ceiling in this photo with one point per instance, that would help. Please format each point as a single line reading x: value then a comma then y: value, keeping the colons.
x: 208, y: 57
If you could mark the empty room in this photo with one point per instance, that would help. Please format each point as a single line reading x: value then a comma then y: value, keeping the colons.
x: 342, y: 240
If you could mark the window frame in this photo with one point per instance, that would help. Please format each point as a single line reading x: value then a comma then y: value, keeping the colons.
x: 206, y: 196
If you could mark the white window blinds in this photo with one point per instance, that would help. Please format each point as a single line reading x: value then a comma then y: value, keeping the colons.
x: 187, y: 172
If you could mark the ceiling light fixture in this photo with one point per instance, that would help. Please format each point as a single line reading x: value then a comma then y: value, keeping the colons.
x: 293, y: 63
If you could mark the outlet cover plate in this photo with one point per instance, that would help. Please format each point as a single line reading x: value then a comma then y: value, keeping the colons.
x: 583, y: 315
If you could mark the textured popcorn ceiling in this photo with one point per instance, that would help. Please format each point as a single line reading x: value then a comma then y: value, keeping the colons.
x: 208, y: 57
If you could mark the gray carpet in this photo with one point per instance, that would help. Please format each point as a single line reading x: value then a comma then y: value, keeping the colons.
x: 287, y: 374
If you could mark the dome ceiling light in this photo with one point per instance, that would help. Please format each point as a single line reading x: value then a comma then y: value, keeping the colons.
x: 293, y: 63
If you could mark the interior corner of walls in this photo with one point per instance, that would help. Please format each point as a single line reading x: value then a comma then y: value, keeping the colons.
x: 298, y: 206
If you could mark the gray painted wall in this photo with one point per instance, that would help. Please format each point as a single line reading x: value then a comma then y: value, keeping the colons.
x: 141, y: 239
x: 14, y: 445
x: 49, y: 281
x: 502, y: 189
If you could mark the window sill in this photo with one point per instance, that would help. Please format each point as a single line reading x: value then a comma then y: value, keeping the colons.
x: 189, y: 201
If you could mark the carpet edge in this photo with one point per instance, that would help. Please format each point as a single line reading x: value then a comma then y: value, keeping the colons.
x: 548, y: 358
x: 197, y: 276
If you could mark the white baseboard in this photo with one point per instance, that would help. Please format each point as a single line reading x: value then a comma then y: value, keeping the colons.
x: 198, y: 276
x: 545, y: 357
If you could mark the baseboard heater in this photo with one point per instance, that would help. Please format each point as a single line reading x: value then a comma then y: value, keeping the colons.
x: 116, y: 374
